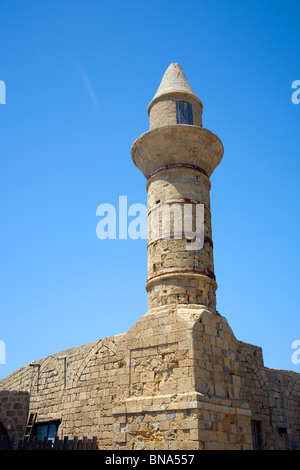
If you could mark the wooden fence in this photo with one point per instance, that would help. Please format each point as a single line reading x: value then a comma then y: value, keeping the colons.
x: 48, y: 444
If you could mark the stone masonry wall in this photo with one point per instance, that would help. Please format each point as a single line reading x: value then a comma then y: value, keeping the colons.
x: 13, y: 411
x: 178, y: 379
x: 273, y: 396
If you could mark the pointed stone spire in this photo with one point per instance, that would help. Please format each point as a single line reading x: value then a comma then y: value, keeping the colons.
x: 174, y: 82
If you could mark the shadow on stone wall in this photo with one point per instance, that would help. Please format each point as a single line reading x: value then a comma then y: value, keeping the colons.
x: 13, y: 412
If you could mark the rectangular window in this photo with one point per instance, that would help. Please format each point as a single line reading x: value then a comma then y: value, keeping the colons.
x: 184, y: 112
x: 47, y: 429
x: 256, y: 435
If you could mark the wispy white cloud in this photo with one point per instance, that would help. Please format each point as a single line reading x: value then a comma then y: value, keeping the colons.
x: 2, y: 92
x: 89, y: 88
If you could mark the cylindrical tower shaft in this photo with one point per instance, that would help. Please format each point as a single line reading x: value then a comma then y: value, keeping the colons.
x: 177, y: 157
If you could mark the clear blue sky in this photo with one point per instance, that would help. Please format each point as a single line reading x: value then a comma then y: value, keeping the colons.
x: 79, y: 76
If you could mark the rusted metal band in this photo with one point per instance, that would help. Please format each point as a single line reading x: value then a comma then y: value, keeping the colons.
x: 177, y: 201
x: 202, y: 278
x: 170, y: 166
x: 203, y: 272
x: 178, y: 236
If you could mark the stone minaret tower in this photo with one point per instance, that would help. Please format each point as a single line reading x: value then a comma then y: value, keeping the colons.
x: 177, y: 156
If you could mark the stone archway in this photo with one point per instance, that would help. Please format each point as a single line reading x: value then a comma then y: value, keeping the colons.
x: 102, y: 346
x: 293, y: 411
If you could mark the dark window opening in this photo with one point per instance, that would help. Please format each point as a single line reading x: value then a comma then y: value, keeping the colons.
x: 256, y: 435
x: 282, y: 430
x: 3, y: 432
x: 46, y: 429
x: 184, y: 113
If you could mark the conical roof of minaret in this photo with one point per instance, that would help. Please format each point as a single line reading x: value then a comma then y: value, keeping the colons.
x: 173, y: 82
